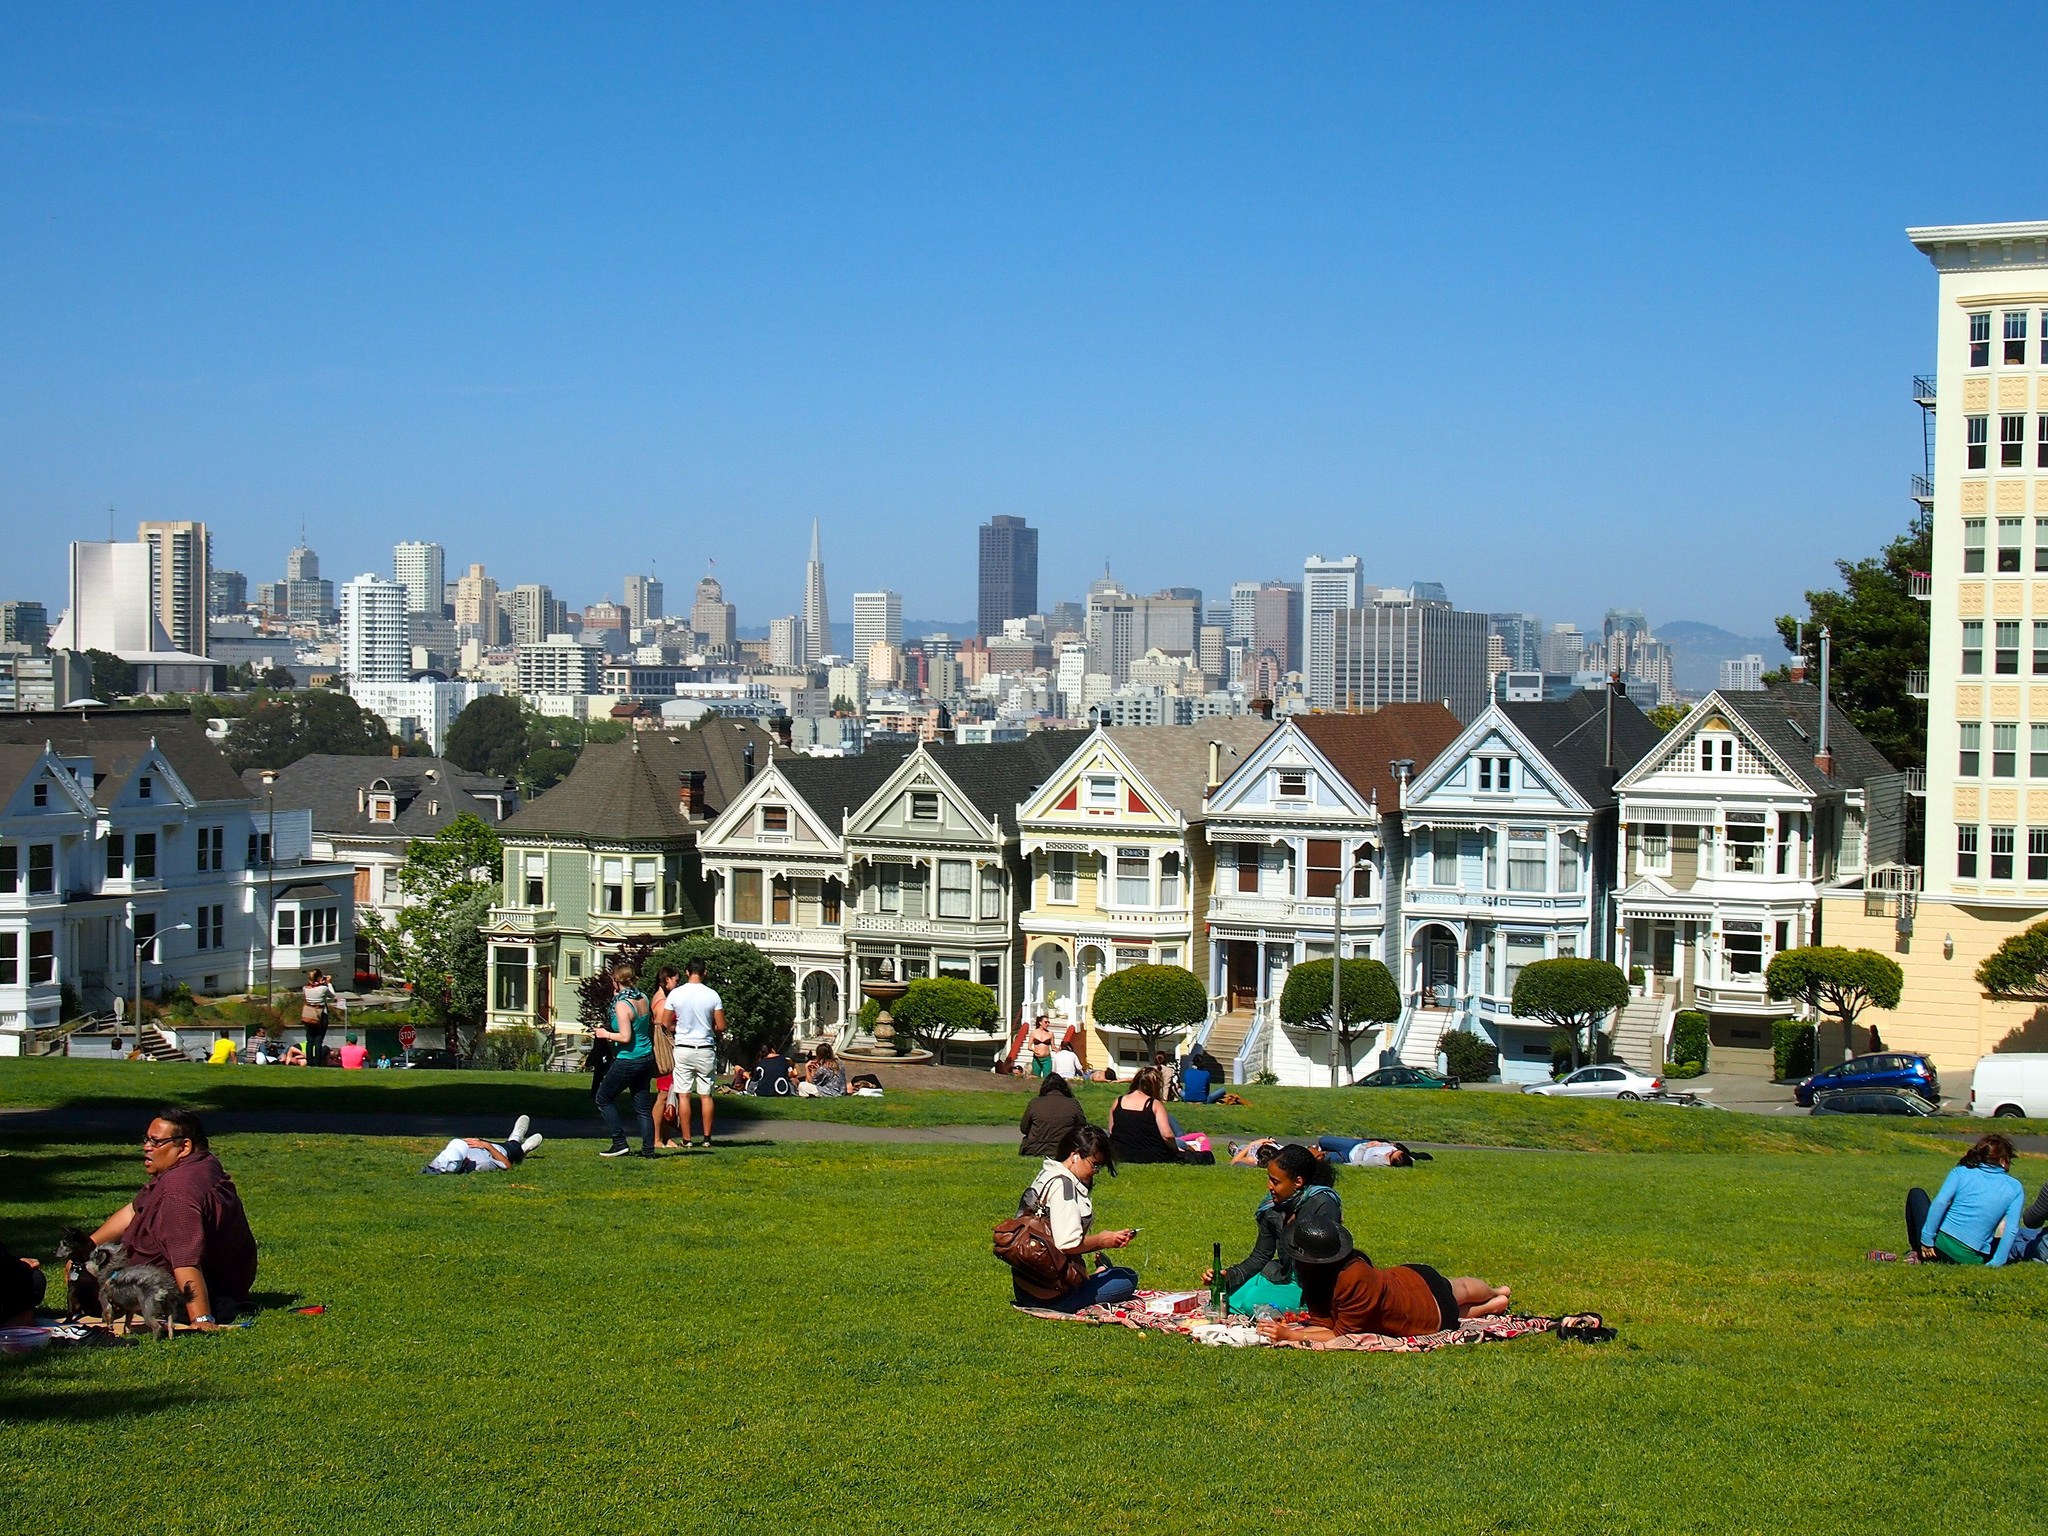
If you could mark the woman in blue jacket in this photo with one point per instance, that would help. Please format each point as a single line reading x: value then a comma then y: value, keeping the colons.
x: 1961, y: 1224
x: 1297, y: 1184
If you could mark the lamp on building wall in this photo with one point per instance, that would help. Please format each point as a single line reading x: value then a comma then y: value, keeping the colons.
x: 1948, y: 946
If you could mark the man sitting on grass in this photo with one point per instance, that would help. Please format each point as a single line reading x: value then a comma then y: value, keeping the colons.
x: 189, y: 1219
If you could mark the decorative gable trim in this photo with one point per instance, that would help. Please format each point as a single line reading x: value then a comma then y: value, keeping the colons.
x: 1710, y: 713
x: 1491, y: 722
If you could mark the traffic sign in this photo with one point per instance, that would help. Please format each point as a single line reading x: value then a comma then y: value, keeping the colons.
x: 406, y: 1036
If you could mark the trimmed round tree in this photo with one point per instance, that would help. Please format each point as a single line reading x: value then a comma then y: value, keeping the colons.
x: 1571, y: 994
x: 759, y: 996
x: 938, y: 1007
x: 1311, y: 1000
x: 1837, y: 983
x: 1153, y: 1001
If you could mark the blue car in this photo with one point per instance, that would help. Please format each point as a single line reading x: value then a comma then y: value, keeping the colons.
x: 1884, y: 1069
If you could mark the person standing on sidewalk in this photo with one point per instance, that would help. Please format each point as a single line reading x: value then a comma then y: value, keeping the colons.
x: 632, y: 1068
x: 700, y: 1020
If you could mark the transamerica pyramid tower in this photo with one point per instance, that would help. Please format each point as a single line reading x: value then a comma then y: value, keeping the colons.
x: 817, y: 615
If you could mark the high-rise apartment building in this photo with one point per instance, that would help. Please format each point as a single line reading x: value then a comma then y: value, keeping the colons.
x: 1276, y: 624
x: 558, y: 665
x: 1328, y: 587
x: 1521, y: 640
x: 1244, y: 609
x: 375, y: 644
x: 535, y: 613
x: 178, y: 564
x: 422, y: 569
x: 24, y: 623
x: 1743, y: 674
x: 817, y: 615
x: 786, y: 646
x: 227, y: 594
x: 1400, y: 649
x: 877, y: 620
x: 1008, y: 573
x: 643, y: 601
x: 712, y: 619
x: 476, y: 604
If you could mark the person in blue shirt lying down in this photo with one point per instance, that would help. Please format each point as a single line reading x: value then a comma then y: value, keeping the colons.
x: 1974, y: 1218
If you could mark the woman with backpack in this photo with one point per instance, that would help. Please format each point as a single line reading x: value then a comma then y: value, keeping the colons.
x: 632, y: 1068
x: 1061, y: 1194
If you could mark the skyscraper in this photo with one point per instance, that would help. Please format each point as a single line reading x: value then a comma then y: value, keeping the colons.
x: 535, y: 613
x: 1009, y: 573
x: 643, y: 601
x: 24, y: 623
x: 787, y: 643
x: 375, y: 645
x: 1521, y: 638
x: 1244, y: 609
x: 1328, y: 587
x: 1401, y: 649
x: 421, y: 569
x: 1276, y: 624
x: 877, y: 620
x: 476, y: 604
x: 178, y: 562
x: 817, y: 616
x: 712, y: 618
x: 227, y: 593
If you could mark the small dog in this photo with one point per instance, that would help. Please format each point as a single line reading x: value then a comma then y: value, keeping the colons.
x: 146, y: 1290
x: 81, y: 1290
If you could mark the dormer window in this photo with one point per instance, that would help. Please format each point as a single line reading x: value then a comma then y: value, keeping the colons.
x: 383, y: 808
x: 1293, y: 784
x: 42, y: 796
x: 924, y: 805
x: 1494, y: 774
x: 775, y: 818
x: 1717, y: 753
x: 143, y: 787
x: 1102, y: 791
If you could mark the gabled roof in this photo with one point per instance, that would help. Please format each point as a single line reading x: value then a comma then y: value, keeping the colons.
x: 118, y: 742
x: 999, y: 776
x: 1786, y: 719
x: 1174, y: 759
x: 835, y: 787
x: 430, y: 791
x: 631, y: 791
x: 1571, y: 734
x: 1362, y: 747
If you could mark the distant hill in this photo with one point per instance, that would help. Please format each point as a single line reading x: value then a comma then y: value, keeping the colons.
x: 842, y: 634
x: 1697, y: 651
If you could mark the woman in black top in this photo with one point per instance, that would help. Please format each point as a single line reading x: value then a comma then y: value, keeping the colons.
x: 1139, y: 1129
x: 1048, y: 1118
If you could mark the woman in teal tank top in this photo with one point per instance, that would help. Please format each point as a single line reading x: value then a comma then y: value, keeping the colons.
x: 632, y: 1069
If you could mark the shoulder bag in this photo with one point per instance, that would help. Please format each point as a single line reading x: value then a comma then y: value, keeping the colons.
x: 1025, y: 1243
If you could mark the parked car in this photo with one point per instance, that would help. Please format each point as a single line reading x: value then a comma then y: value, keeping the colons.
x: 1612, y: 1081
x: 1871, y: 1101
x: 1405, y: 1077
x: 1883, y: 1069
x: 2009, y: 1085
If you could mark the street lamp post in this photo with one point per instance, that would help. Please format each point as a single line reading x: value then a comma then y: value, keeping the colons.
x: 142, y: 946
x: 270, y: 891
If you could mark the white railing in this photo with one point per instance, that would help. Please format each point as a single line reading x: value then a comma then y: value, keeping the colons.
x: 1218, y: 1006
x: 1250, y: 1056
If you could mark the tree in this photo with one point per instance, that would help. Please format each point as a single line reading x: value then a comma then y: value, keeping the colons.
x: 489, y: 736
x: 1837, y: 983
x: 280, y: 731
x: 1369, y: 997
x: 1879, y: 632
x: 435, y: 943
x: 1665, y: 716
x: 759, y: 996
x: 1153, y: 1000
x: 2017, y: 971
x: 112, y: 678
x: 937, y: 1007
x: 1572, y: 995
x: 545, y: 768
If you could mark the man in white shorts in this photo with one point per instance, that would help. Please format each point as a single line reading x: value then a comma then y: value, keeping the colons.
x: 700, y: 1020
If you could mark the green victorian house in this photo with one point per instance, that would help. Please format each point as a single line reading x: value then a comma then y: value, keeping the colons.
x: 610, y: 854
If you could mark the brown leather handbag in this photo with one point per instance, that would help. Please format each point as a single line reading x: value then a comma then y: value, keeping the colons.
x: 1025, y: 1243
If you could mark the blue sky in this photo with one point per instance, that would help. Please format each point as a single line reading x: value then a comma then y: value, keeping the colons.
x: 1563, y: 310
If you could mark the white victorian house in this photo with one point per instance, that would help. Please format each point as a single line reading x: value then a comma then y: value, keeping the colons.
x: 1302, y: 831
x: 1510, y: 836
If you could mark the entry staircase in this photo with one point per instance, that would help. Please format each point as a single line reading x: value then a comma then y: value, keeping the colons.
x: 156, y: 1046
x: 1417, y: 1031
x: 1640, y: 1031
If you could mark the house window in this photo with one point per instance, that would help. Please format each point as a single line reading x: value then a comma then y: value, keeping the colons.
x: 510, y: 964
x: 2007, y: 660
x: 2037, y: 853
x: 1518, y: 950
x: 1361, y: 876
x: 2015, y: 337
x: 1169, y: 954
x: 2040, y: 648
x: 42, y: 959
x: 957, y: 966
x: 1102, y: 791
x: 383, y: 808
x: 646, y: 876
x: 1717, y: 750
x: 536, y: 891
x: 575, y: 965
x: 956, y: 888
x: 775, y: 818
x: 40, y: 798
x: 1247, y: 870
x: 1169, y: 880
x: 1443, y: 858
x: 1526, y: 859
x: 830, y: 899
x: 2041, y: 534
x: 991, y: 891
x: 2005, y: 751
x: 1744, y: 953
x: 208, y: 928
x: 10, y: 959
x: 924, y: 805
x: 1293, y: 784
x: 10, y: 869
x: 2009, y: 530
x: 888, y: 888
x: 1745, y: 848
x: 746, y: 896
x: 1970, y: 749
x: 991, y: 972
x: 213, y: 843
x: 42, y: 869
x: 1062, y: 876
x: 613, y: 885
x: 1973, y: 546
x: 1976, y: 441
x: 143, y: 787
x: 2040, y: 451
x: 1966, y: 853
x: 287, y: 926
x: 779, y: 902
x: 1973, y: 647
x: 145, y: 856
x: 259, y: 850
x: 1133, y: 877
x: 117, y: 856
x: 1568, y: 863
x: 1493, y: 774
x: 2001, y: 853
x: 1325, y: 866
x: 2012, y: 443
x: 1980, y: 340
x: 2037, y: 756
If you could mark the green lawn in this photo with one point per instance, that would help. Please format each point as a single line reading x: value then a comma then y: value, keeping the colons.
x: 815, y: 1337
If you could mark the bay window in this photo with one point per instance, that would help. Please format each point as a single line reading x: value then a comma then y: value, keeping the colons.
x: 1133, y: 877
x: 1169, y: 879
x: 1568, y: 863
x: 746, y: 896
x: 991, y: 891
x: 1063, y: 875
x: 956, y: 888
x: 1526, y: 859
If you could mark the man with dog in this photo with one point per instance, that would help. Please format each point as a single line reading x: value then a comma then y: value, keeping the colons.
x: 189, y: 1219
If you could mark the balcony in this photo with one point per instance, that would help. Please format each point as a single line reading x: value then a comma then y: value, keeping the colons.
x: 781, y: 937
x: 894, y: 925
x: 1916, y: 778
x: 523, y: 919
x: 1230, y: 907
x: 1921, y: 585
x: 1923, y: 391
x: 1923, y: 492
x: 1916, y: 684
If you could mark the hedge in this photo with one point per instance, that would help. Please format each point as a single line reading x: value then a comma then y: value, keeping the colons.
x: 1468, y: 1057
x: 1792, y: 1049
x: 1689, y: 1039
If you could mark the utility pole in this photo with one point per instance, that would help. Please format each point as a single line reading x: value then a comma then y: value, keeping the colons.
x: 1337, y: 974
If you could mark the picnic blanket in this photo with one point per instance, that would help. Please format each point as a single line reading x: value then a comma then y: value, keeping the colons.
x: 1238, y: 1332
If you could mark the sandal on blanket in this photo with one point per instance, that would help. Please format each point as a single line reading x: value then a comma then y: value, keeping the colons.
x: 1584, y: 1328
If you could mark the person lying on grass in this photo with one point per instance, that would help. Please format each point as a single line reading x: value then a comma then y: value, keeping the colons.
x: 1358, y: 1151
x: 1297, y: 1188
x: 1063, y: 1188
x: 1343, y: 1293
x: 1962, y: 1223
x: 468, y: 1154
x: 189, y: 1219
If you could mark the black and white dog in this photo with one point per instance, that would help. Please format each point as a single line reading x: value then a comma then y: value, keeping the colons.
x: 148, y: 1291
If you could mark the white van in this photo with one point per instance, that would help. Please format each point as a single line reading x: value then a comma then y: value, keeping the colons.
x: 2010, y: 1085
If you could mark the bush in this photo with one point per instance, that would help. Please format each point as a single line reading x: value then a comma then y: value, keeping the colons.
x: 1153, y: 1000
x: 1792, y: 1049
x: 1689, y: 1039
x: 1635, y: 976
x: 515, y: 1050
x: 759, y: 996
x: 936, y: 1007
x: 1683, y: 1069
x: 1468, y: 1057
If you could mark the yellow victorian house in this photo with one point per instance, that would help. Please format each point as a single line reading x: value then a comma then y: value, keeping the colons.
x: 1120, y: 868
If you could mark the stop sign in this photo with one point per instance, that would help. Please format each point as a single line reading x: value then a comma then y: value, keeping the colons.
x: 406, y: 1036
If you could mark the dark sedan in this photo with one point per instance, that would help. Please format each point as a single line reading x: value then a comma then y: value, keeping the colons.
x: 1870, y: 1101
x: 1881, y: 1069
x: 1405, y: 1077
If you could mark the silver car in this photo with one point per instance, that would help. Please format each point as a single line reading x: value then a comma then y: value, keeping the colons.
x: 1611, y: 1081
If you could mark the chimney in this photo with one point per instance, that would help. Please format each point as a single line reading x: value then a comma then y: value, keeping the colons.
x: 785, y: 731
x: 1823, y: 755
x: 1215, y: 764
x: 1402, y: 768
x: 691, y: 801
x: 1263, y: 708
x: 747, y: 764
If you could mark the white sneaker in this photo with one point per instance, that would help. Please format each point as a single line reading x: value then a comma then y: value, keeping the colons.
x: 519, y: 1128
x: 532, y: 1143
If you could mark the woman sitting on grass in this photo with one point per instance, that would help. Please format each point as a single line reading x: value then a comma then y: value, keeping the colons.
x: 1297, y: 1187
x: 1062, y: 1189
x: 1052, y: 1113
x: 1140, y: 1129
x: 1961, y: 1224
x: 1343, y: 1293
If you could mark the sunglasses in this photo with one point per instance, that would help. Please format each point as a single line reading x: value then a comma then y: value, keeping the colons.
x: 162, y: 1141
